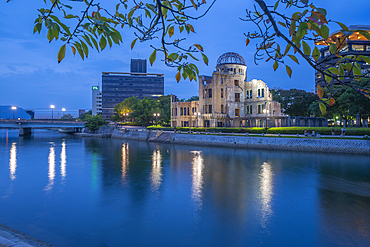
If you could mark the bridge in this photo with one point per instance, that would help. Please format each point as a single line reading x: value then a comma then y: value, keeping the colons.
x: 25, y: 126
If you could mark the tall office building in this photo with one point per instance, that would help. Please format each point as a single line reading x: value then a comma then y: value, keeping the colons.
x: 117, y: 86
x: 96, y: 100
x: 138, y: 66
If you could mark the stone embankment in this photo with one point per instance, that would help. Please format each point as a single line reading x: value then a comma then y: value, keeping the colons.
x: 348, y: 146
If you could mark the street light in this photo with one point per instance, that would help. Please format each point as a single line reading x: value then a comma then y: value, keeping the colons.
x: 63, y: 109
x: 156, y: 115
x: 14, y: 108
x: 52, y: 112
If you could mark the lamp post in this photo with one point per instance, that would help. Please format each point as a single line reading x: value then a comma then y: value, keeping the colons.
x: 63, y: 110
x: 14, y: 108
x: 156, y: 115
x: 52, y: 112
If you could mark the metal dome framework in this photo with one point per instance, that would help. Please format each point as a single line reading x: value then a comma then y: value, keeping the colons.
x: 231, y: 58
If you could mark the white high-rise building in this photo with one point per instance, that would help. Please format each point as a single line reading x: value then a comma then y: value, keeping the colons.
x: 96, y: 100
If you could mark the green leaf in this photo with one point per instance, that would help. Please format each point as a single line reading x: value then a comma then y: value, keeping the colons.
x: 306, y: 48
x: 328, y: 79
x: 289, y: 71
x: 109, y: 41
x: 102, y: 42
x: 205, y: 59
x: 334, y: 71
x: 130, y: 13
x: 133, y: 43
x: 94, y: 42
x: 80, y: 51
x: 191, y: 55
x: 293, y: 58
x: 69, y: 16
x: 287, y: 49
x: 324, y: 31
x: 316, y: 54
x: 61, y: 53
x: 86, y: 38
x: 344, y: 27
x: 152, y: 57
x: 281, y: 23
x: 275, y: 66
x: 49, y: 35
x: 85, y: 49
x: 322, y: 108
x: 356, y: 71
x: 199, y: 47
x: 333, y: 48
x: 276, y: 4
x: 171, y: 31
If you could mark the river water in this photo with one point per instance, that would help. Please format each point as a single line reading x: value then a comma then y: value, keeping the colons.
x: 71, y: 191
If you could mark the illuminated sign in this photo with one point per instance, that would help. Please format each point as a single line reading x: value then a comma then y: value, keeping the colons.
x: 95, y: 88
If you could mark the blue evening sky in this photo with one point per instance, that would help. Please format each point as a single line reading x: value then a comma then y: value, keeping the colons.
x: 31, y: 78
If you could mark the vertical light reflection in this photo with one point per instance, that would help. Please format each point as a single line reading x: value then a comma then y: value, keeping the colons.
x: 63, y: 161
x: 156, y: 174
x: 125, y: 160
x: 266, y: 191
x: 197, y: 176
x: 51, y: 173
x: 13, y: 160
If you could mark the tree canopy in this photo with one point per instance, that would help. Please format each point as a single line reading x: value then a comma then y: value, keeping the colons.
x: 294, y: 102
x: 283, y: 37
x: 143, y: 110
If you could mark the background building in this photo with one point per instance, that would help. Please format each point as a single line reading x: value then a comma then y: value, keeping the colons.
x: 96, y: 101
x: 357, y: 44
x: 138, y: 66
x: 117, y: 86
x: 227, y: 99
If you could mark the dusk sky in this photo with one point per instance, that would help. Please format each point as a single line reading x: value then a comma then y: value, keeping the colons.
x: 31, y: 77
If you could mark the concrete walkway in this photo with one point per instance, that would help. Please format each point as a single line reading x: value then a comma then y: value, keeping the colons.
x: 12, y: 238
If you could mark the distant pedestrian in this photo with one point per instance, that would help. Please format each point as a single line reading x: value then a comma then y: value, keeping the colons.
x: 305, y: 132
x: 343, y: 131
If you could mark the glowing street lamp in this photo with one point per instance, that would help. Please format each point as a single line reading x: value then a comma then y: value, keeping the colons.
x: 156, y: 115
x: 14, y: 108
x: 52, y: 112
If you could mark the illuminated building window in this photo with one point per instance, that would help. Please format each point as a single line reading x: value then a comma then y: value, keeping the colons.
x: 357, y: 47
x: 368, y: 48
x: 237, y: 112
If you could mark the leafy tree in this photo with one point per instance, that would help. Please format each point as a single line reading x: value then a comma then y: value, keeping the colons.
x: 85, y: 116
x: 168, y: 21
x: 94, y: 122
x: 143, y: 110
x: 349, y: 104
x: 294, y: 102
x: 193, y: 98
x: 67, y: 117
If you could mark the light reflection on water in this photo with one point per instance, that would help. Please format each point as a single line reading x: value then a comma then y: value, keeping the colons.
x: 13, y: 161
x: 156, y: 174
x: 266, y: 191
x: 51, y: 162
x: 197, y: 176
x: 125, y: 160
x: 63, y: 161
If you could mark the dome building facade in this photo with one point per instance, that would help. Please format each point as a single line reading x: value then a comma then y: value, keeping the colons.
x: 228, y: 99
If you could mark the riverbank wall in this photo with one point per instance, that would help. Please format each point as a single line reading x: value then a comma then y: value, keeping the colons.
x: 348, y: 146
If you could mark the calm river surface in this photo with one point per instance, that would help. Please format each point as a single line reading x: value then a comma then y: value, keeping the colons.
x: 71, y: 191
